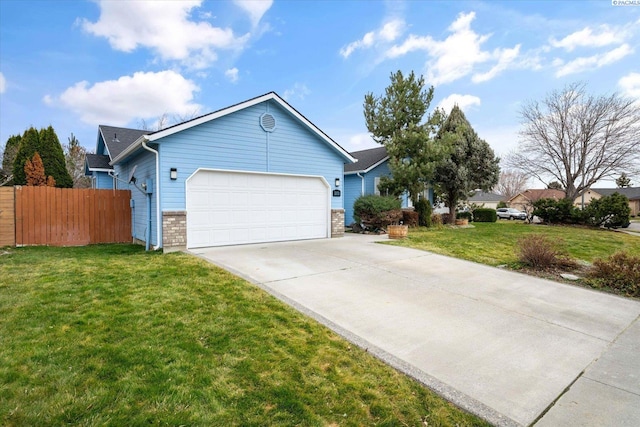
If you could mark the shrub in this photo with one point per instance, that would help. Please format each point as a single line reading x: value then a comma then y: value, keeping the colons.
x: 410, y: 218
x: 502, y: 204
x: 610, y: 211
x: 555, y: 211
x: 485, y: 215
x: 465, y: 215
x: 436, y: 220
x: 423, y: 207
x: 377, y: 211
x: 620, y: 272
x: 540, y: 253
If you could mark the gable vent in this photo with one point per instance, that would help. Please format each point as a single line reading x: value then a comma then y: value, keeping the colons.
x: 268, y: 122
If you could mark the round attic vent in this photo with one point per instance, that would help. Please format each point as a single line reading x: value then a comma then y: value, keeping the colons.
x: 268, y: 122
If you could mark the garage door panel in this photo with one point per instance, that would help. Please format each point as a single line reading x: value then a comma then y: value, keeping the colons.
x: 225, y: 208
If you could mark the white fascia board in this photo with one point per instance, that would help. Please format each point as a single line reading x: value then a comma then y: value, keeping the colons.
x: 130, y: 149
x: 369, y: 169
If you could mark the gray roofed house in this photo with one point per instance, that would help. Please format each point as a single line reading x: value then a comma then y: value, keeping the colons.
x: 367, y: 160
x: 112, y: 141
x: 489, y: 200
x: 632, y: 193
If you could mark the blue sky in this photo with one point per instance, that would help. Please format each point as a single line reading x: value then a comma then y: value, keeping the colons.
x: 77, y: 64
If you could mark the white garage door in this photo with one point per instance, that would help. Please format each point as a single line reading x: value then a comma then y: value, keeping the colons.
x: 229, y: 208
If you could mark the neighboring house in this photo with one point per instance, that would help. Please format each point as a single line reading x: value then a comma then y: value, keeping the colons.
x: 111, y: 142
x: 524, y: 201
x: 362, y: 178
x: 632, y: 193
x: 257, y: 171
x: 486, y: 200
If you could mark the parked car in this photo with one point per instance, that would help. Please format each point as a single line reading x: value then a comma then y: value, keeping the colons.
x: 510, y: 213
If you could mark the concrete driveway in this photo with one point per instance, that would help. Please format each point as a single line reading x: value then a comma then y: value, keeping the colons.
x: 511, y: 348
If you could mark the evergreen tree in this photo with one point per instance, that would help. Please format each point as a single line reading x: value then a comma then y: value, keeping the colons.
x: 555, y: 185
x: 396, y: 121
x: 29, y: 144
x: 623, y: 181
x: 34, y: 172
x: 53, y: 158
x: 470, y: 165
x: 9, y: 155
x: 46, y: 143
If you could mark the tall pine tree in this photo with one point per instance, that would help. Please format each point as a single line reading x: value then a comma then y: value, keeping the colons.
x: 10, y: 151
x: 470, y: 165
x: 397, y: 121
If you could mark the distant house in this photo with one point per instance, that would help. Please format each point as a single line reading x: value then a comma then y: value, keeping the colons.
x: 524, y: 201
x: 486, y: 200
x: 632, y: 193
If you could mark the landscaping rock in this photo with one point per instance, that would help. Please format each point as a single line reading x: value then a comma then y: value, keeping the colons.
x: 569, y: 276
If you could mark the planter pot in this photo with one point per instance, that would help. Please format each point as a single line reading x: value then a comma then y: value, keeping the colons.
x: 398, y: 231
x: 462, y: 221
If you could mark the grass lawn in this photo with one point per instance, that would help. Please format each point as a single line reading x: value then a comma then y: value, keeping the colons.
x: 496, y: 243
x: 111, y: 335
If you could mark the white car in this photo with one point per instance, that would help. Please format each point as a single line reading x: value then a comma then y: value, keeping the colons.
x: 510, y: 213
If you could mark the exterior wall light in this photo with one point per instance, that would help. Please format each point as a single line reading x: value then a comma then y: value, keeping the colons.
x: 337, y: 182
x: 173, y: 174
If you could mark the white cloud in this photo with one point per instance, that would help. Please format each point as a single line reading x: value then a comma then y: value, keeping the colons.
x: 587, y: 38
x: 463, y: 101
x: 143, y: 95
x: 591, y: 62
x: 505, y: 58
x: 3, y: 83
x: 299, y: 91
x: 388, y: 33
x: 232, y: 74
x: 255, y: 8
x: 48, y: 100
x: 163, y: 27
x: 630, y: 85
x: 458, y: 54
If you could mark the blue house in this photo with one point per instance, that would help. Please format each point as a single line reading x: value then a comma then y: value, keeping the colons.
x: 362, y: 178
x: 257, y: 171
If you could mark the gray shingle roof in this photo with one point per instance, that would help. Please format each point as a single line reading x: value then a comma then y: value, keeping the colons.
x: 97, y: 161
x: 632, y: 193
x: 366, y: 159
x: 125, y: 137
x: 481, y: 196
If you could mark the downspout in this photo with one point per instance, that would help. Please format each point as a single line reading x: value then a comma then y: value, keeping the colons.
x: 362, y: 180
x: 157, y: 190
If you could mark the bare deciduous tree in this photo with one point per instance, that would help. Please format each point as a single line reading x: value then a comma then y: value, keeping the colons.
x: 511, y: 183
x: 164, y: 121
x: 577, y: 139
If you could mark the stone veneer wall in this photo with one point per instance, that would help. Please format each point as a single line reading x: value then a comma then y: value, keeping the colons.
x: 337, y: 222
x: 174, y: 231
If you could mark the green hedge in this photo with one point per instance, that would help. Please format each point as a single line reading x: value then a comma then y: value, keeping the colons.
x: 485, y: 215
x: 377, y: 211
x: 423, y: 207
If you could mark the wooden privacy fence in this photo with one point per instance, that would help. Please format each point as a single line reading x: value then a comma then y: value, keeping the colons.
x: 70, y: 217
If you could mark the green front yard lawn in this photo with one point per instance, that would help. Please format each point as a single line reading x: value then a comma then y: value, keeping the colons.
x: 496, y: 243
x: 113, y: 335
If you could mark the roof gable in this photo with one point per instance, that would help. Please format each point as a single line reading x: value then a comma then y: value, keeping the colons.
x: 537, y: 194
x: 118, y: 139
x: 367, y: 160
x: 271, y: 96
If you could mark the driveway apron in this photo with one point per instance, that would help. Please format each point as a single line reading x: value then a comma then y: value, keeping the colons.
x: 510, y: 348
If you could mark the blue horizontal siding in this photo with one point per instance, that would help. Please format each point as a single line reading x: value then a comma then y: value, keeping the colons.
x: 352, y: 190
x: 145, y: 162
x: 237, y: 142
x: 103, y: 181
